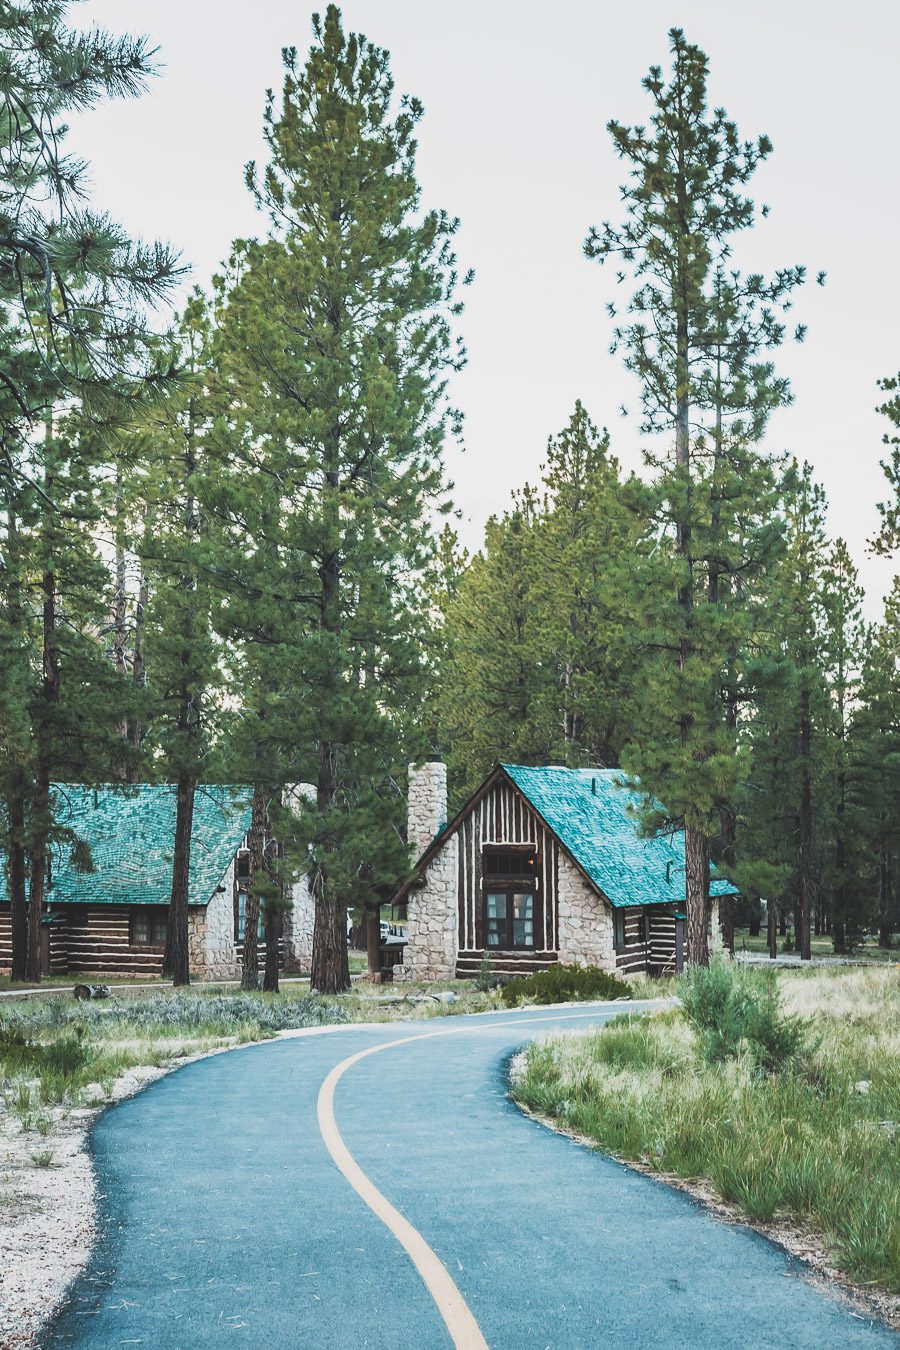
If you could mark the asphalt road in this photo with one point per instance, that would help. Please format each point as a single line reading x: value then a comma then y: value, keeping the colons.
x: 225, y: 1220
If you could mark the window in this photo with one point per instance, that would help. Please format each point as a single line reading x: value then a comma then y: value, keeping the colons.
x: 148, y: 927
x: 619, y: 929
x: 241, y: 925
x: 510, y: 862
x: 509, y: 919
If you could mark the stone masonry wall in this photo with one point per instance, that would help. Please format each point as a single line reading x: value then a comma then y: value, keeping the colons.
x: 585, y: 921
x: 716, y: 945
x: 427, y: 809
x: 298, y: 928
x: 211, y: 935
x: 432, y: 909
x: 433, y: 921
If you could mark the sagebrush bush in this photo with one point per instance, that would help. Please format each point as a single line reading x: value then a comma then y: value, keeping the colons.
x: 564, y: 984
x: 737, y: 1012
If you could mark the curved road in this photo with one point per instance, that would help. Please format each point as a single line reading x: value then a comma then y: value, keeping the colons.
x: 226, y: 1219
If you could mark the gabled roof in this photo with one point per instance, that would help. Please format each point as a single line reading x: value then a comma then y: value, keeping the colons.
x: 131, y: 833
x: 594, y: 815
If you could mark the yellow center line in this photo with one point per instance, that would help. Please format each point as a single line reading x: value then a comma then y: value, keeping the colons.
x: 458, y: 1318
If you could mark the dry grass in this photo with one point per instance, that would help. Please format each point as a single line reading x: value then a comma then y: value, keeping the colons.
x: 817, y: 1143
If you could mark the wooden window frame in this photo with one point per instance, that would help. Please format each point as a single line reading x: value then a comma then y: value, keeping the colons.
x: 510, y: 891
x: 156, y: 917
x: 524, y: 880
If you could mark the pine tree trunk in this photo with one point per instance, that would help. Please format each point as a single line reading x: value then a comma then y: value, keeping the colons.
x: 38, y: 877
x: 17, y: 787
x: 119, y: 616
x: 41, y: 819
x: 274, y: 929
x: 16, y: 867
x: 726, y: 902
x: 176, y: 961
x: 885, y: 929
x: 250, y: 951
x: 696, y: 866
x: 330, y: 970
x: 138, y: 666
x: 771, y: 927
x: 373, y: 942
x: 806, y: 826
x: 755, y: 924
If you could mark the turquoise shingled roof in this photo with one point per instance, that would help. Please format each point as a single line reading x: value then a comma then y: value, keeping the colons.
x: 600, y: 831
x: 131, y: 838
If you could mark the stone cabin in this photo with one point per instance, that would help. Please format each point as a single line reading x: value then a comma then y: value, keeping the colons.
x: 112, y: 920
x: 542, y: 865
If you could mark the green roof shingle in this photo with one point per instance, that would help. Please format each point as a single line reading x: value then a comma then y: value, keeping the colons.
x: 131, y: 835
x: 593, y: 813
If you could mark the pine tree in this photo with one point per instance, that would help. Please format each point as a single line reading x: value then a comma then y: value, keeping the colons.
x: 874, y: 773
x: 696, y: 335
x: 888, y: 539
x: 74, y: 340
x: 840, y: 648
x: 335, y: 350
x: 180, y: 561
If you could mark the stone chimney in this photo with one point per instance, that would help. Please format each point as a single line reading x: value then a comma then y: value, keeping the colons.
x: 427, y: 809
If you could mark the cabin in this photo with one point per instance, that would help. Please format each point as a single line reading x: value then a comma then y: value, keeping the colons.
x: 542, y: 864
x: 111, y: 920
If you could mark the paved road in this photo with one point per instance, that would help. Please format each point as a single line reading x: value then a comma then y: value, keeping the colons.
x: 227, y: 1222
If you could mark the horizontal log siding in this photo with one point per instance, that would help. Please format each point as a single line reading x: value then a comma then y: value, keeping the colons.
x: 5, y: 938
x: 634, y: 954
x: 662, y: 941
x: 99, y: 942
x: 58, y: 943
x: 504, y: 817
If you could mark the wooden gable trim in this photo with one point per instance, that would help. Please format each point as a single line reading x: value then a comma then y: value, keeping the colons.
x: 431, y: 852
x: 497, y: 774
x: 559, y: 843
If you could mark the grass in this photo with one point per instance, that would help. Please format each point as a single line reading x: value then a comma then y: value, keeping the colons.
x: 867, y: 949
x: 817, y: 1142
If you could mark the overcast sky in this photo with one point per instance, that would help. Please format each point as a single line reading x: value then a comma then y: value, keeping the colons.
x: 513, y: 141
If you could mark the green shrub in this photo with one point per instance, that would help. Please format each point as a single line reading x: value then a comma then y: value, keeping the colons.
x: 487, y: 977
x: 736, y: 1012
x: 565, y: 984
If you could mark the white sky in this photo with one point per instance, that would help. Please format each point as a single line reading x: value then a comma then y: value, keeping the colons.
x: 517, y: 96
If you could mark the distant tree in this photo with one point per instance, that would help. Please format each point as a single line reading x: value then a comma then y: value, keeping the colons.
x: 696, y: 335
x: 888, y: 539
x: 874, y: 772
x: 841, y: 648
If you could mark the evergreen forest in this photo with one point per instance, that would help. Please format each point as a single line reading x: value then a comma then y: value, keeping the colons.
x: 227, y: 544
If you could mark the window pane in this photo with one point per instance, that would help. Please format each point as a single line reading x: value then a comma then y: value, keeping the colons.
x: 140, y: 927
x: 496, y: 932
x: 159, y: 927
x: 242, y: 914
x: 496, y: 906
x: 243, y: 866
x: 523, y: 920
